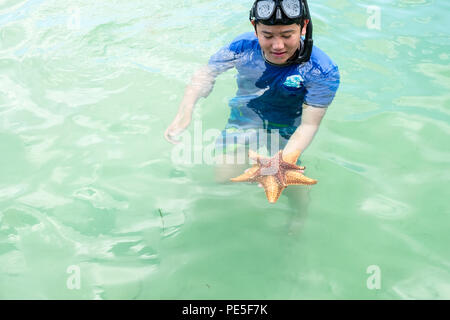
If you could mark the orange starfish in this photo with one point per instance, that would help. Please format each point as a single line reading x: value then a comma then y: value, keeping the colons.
x: 275, y: 173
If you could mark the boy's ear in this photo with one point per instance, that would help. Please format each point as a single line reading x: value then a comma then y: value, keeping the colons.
x: 254, y: 25
x: 303, y: 32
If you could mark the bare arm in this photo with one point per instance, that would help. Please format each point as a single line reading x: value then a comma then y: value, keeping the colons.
x: 302, y: 137
x: 201, y: 85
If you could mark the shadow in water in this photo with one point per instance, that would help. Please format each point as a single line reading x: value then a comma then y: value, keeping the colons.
x: 299, y: 201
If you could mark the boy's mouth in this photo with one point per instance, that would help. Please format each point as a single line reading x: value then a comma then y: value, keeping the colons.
x: 279, y: 54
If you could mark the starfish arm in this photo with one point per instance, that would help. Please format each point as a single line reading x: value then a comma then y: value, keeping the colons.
x: 253, y: 155
x: 250, y: 175
x: 258, y: 158
x: 272, y: 188
x: 290, y: 166
x: 281, y: 177
x: 295, y: 177
x: 264, y: 162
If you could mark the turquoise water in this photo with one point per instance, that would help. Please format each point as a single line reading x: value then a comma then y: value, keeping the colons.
x: 87, y: 181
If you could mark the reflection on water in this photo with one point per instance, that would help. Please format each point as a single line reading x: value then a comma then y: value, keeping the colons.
x: 86, y: 177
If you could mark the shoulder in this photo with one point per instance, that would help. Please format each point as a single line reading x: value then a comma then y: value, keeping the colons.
x: 320, y: 63
x: 244, y: 42
x: 322, y: 79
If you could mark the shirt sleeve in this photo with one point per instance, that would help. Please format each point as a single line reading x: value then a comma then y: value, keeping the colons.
x: 223, y: 60
x: 321, y: 89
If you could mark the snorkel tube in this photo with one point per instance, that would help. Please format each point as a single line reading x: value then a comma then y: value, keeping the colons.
x: 305, y: 52
x: 279, y: 17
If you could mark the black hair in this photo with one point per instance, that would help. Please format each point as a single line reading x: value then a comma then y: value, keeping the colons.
x: 298, y: 23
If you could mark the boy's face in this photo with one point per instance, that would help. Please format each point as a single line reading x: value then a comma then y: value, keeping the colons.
x: 279, y: 42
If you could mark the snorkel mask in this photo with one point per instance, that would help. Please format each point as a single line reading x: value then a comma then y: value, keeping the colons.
x: 285, y: 12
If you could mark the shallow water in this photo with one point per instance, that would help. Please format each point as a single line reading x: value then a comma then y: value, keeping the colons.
x: 88, y: 186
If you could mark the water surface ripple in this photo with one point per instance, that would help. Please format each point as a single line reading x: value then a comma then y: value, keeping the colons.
x: 87, y: 183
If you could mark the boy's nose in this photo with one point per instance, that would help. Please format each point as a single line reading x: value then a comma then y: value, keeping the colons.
x: 277, y: 45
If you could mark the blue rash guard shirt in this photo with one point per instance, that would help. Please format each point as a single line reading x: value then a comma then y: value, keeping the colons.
x: 271, y: 96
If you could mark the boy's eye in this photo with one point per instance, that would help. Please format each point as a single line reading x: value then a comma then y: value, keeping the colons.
x: 270, y: 37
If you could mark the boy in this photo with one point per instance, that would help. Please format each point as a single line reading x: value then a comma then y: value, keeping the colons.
x: 285, y: 84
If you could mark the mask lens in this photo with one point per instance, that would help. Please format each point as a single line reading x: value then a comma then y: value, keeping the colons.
x: 292, y: 8
x: 264, y: 9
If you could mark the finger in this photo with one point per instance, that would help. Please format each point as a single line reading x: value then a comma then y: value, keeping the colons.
x: 169, y: 137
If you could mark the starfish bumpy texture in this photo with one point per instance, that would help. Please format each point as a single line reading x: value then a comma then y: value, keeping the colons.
x: 275, y: 173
